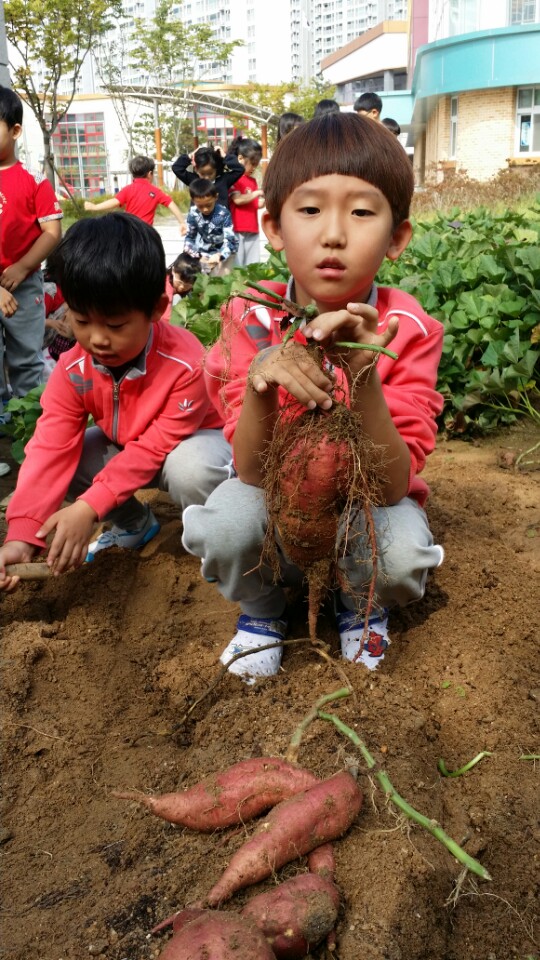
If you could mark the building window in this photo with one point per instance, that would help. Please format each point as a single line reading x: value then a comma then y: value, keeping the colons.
x: 463, y: 16
x: 528, y: 120
x: 81, y: 152
x: 453, y: 127
x: 524, y: 11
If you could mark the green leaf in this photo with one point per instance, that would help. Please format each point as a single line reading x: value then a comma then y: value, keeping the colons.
x: 17, y: 450
x: 526, y: 236
x: 429, y: 246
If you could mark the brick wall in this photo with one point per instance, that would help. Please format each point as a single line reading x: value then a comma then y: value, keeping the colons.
x: 485, y: 134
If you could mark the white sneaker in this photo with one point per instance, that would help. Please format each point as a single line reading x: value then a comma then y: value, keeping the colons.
x: 351, y: 630
x: 252, y: 633
x: 129, y: 539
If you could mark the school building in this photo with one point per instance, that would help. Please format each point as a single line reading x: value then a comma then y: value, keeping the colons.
x: 461, y: 77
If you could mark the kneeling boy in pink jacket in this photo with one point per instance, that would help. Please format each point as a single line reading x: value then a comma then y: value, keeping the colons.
x: 140, y: 380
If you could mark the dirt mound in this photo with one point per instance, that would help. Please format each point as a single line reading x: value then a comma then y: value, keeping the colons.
x: 100, y: 665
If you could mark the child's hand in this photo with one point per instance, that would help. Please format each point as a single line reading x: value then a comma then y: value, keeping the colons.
x: 13, y: 276
x: 73, y: 527
x: 61, y: 325
x: 8, y: 303
x: 88, y: 205
x: 212, y: 259
x: 357, y: 324
x: 291, y: 366
x: 14, y: 551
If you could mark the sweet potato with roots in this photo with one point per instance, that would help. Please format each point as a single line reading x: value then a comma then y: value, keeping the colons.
x: 320, y: 468
x: 218, y: 936
x: 291, y: 829
x: 235, y: 796
x: 295, y: 915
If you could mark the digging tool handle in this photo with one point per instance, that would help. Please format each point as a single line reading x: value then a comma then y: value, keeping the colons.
x: 28, y: 571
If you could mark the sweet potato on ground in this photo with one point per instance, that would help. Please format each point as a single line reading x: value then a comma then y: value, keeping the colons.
x: 322, y: 861
x: 180, y: 919
x: 291, y: 829
x: 295, y: 915
x: 218, y: 936
x: 234, y: 796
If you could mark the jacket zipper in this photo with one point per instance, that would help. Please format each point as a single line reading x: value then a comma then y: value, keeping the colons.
x: 116, y: 409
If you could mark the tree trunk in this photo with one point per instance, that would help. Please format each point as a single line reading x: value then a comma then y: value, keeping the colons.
x: 48, y: 159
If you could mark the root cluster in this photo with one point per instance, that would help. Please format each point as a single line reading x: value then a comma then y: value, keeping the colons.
x: 321, y: 472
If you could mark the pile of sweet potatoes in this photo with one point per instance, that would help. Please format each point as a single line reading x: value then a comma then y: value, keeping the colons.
x: 306, y: 815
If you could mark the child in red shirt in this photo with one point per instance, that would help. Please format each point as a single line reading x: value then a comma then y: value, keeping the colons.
x: 337, y: 192
x: 181, y: 276
x: 245, y: 199
x: 29, y: 230
x: 140, y: 198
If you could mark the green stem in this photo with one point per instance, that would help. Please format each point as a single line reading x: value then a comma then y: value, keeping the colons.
x: 295, y: 325
x: 292, y: 752
x: 526, y: 453
x: 367, y: 346
x: 529, y: 756
x: 430, y: 825
x: 265, y: 303
x: 268, y: 293
x: 468, y: 766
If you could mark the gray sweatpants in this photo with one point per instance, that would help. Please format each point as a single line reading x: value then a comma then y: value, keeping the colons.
x: 248, y: 249
x: 229, y: 530
x: 21, y: 337
x: 189, y: 474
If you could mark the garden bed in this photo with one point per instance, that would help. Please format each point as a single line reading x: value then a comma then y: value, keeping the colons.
x: 100, y: 665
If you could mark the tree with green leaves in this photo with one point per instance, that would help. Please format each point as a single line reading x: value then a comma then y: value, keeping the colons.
x: 171, y: 52
x: 112, y: 61
x: 57, y: 35
x: 282, y: 98
x: 176, y: 132
x: 306, y: 96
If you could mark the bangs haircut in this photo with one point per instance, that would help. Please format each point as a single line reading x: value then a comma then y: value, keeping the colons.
x: 346, y: 144
x: 110, y: 265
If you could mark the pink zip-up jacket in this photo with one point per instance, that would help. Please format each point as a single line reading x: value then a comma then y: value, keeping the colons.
x: 147, y: 413
x: 408, y: 383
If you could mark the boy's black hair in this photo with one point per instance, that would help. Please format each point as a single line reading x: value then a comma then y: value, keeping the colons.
x: 141, y: 166
x: 202, y: 188
x: 344, y: 143
x: 287, y: 122
x: 110, y: 265
x: 391, y: 125
x: 11, y: 108
x: 326, y: 106
x: 186, y: 267
x: 368, y: 102
x: 207, y: 156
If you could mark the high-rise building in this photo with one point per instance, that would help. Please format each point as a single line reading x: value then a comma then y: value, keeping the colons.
x: 281, y: 41
x: 336, y: 22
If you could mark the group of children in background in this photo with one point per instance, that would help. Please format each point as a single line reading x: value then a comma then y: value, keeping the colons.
x: 221, y: 229
x: 197, y: 424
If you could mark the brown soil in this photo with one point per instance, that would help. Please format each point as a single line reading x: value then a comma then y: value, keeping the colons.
x: 100, y: 665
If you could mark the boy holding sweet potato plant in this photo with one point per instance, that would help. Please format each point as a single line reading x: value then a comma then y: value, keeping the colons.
x: 337, y: 191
